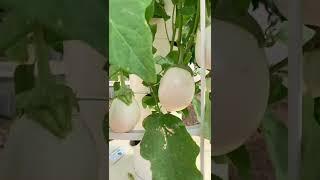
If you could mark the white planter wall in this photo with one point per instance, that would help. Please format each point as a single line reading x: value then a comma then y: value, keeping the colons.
x: 84, y: 72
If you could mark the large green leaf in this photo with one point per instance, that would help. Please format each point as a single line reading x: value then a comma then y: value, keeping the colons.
x: 277, y: 90
x: 150, y: 10
x: 148, y: 100
x: 241, y: 7
x: 170, y: 148
x: 240, y: 158
x: 24, y: 78
x: 12, y: 29
x: 74, y: 19
x: 18, y: 52
x: 49, y: 102
x: 276, y: 136
x: 50, y: 105
x: 310, y: 142
x: 131, y: 38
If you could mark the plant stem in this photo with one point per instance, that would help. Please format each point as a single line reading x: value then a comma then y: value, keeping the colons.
x: 191, y: 29
x: 194, y: 29
x: 173, y: 29
x: 179, y: 42
x: 41, y: 52
x: 155, y: 99
x: 196, y: 18
x: 122, y: 81
x: 181, y: 54
x: 166, y: 29
x: 278, y: 66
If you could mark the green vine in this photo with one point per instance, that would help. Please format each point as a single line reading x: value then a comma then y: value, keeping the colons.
x: 42, y: 55
x: 173, y: 28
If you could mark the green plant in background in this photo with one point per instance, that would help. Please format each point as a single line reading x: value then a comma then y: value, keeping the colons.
x: 44, y: 25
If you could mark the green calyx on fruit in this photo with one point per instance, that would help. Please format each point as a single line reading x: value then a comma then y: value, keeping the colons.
x: 125, y: 94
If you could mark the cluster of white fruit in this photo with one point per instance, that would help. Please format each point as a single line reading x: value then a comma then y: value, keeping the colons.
x: 241, y: 73
x: 176, y: 89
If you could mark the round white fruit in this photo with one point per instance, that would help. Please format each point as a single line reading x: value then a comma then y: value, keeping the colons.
x: 241, y: 86
x: 32, y: 152
x: 176, y: 89
x: 123, y: 117
x: 311, y: 13
x: 207, y: 49
x: 136, y: 85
